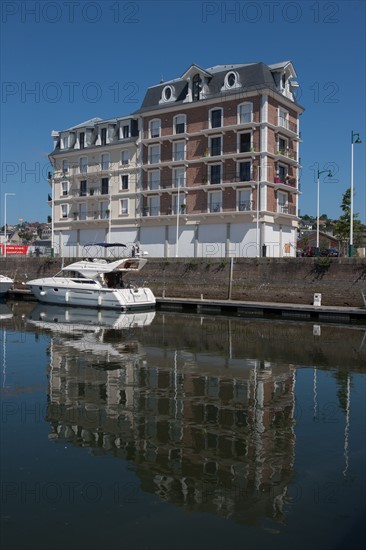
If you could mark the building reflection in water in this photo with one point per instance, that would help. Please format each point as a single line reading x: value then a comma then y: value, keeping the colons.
x: 208, y: 431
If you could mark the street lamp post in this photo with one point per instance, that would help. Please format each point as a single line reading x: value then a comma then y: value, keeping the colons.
x: 355, y: 138
x: 5, y: 236
x: 317, y: 206
x: 177, y: 227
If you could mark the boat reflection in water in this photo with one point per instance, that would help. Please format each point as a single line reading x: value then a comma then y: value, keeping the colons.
x: 105, y: 334
x: 203, y: 431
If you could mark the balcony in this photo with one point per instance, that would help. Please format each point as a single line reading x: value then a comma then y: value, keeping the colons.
x: 214, y: 207
x: 287, y: 124
x: 245, y: 206
x: 150, y: 211
x: 89, y: 215
x: 286, y: 209
x: 287, y: 153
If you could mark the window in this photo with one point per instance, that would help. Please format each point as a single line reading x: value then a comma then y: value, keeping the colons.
x: 105, y: 186
x: 82, y: 140
x: 215, y: 118
x: 154, y: 154
x: 282, y: 172
x: 155, y: 126
x: 244, y: 202
x: 231, y: 80
x: 154, y: 205
x: 214, y: 201
x: 179, y: 177
x: 104, y: 161
x: 64, y: 210
x: 179, y: 150
x: 124, y: 182
x: 196, y: 87
x: 154, y: 179
x: 82, y: 191
x: 215, y: 173
x: 215, y: 146
x: 180, y: 124
x: 167, y: 93
x: 123, y: 206
x: 82, y: 211
x: 245, y: 113
x: 245, y: 171
x: 104, y: 210
x: 83, y: 165
x: 103, y: 136
x: 125, y: 131
x: 283, y: 118
x: 125, y: 157
x: 282, y: 202
x: 65, y: 166
x: 64, y: 188
x: 65, y: 142
x: 245, y: 142
x: 282, y: 146
x: 178, y: 205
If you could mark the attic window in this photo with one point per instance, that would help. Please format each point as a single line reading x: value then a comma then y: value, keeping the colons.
x: 168, y: 93
x: 196, y: 87
x: 231, y: 79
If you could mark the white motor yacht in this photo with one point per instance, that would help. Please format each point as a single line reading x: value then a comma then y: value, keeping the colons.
x: 96, y: 282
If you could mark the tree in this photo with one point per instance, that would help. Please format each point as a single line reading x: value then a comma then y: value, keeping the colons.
x: 343, y: 225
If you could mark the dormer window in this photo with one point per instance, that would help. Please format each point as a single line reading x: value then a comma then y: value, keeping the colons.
x: 82, y: 140
x: 168, y: 94
x: 196, y: 87
x: 65, y: 142
x: 103, y: 136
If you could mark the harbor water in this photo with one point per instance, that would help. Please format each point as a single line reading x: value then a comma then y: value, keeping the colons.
x: 157, y: 430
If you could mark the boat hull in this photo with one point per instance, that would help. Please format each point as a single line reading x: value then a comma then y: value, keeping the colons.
x: 63, y: 293
x: 5, y: 284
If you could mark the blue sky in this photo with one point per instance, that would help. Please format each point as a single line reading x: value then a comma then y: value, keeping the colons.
x: 65, y: 62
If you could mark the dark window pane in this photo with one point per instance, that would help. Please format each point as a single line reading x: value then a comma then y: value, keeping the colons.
x: 244, y: 173
x: 216, y: 118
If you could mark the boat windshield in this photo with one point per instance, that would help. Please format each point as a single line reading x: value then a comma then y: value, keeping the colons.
x: 70, y: 274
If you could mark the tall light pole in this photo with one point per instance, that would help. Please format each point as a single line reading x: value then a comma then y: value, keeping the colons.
x: 355, y: 138
x: 177, y: 228
x: 5, y: 236
x: 317, y: 206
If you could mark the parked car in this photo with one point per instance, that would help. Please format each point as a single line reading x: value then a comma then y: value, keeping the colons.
x: 310, y: 251
x: 331, y: 252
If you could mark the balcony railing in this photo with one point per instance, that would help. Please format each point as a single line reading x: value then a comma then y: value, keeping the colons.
x: 151, y: 211
x: 288, y: 153
x: 89, y: 215
x: 245, y: 206
x: 215, y: 206
x: 285, y: 123
x: 154, y: 159
x: 287, y: 209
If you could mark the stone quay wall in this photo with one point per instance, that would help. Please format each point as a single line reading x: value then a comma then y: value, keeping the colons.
x: 285, y: 280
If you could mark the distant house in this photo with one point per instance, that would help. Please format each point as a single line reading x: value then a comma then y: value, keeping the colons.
x: 308, y: 238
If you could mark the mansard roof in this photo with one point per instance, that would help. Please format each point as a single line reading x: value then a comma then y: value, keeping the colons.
x: 252, y: 76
